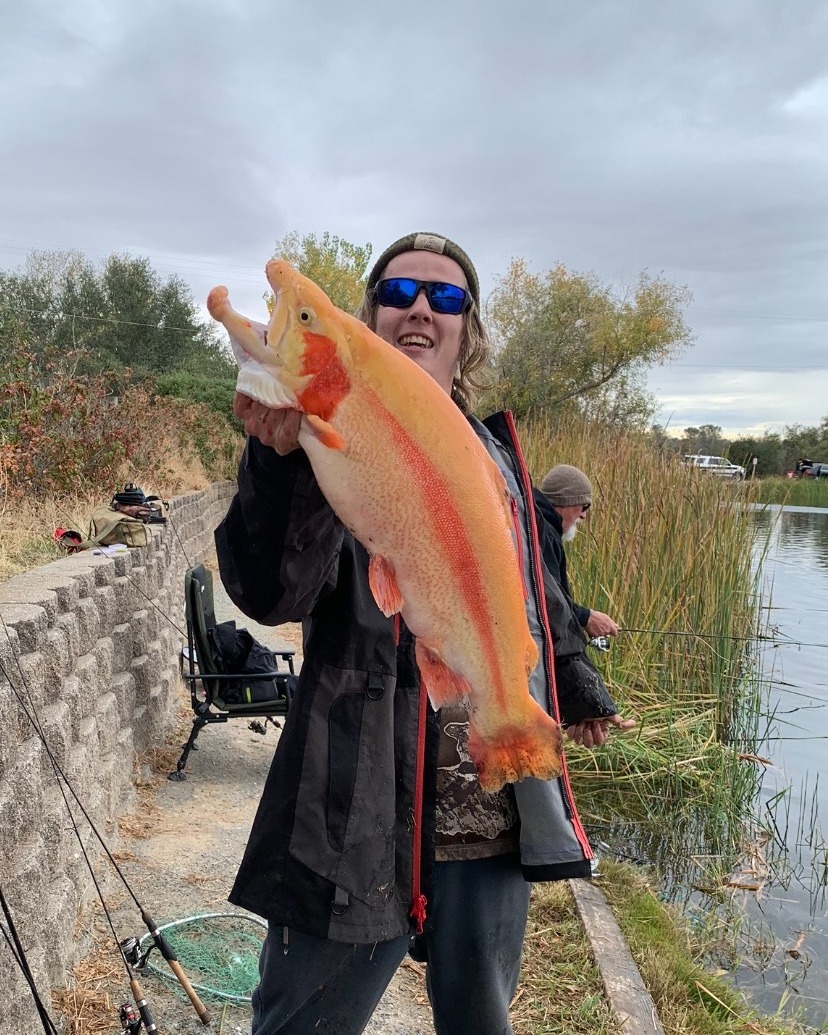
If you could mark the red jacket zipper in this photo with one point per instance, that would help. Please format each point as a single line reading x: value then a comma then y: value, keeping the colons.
x: 580, y: 833
x: 418, y: 899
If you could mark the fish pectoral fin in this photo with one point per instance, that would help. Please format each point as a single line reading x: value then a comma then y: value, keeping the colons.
x: 383, y: 583
x: 444, y: 686
x: 325, y: 432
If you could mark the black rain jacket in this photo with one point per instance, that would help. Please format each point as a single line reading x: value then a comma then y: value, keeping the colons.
x: 340, y: 847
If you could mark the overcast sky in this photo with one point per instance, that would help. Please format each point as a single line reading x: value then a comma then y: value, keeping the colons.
x: 611, y: 135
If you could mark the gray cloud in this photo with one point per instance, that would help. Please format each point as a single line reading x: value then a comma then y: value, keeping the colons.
x: 616, y: 137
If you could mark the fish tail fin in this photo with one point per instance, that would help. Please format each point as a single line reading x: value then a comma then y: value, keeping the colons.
x: 513, y: 752
x: 444, y: 686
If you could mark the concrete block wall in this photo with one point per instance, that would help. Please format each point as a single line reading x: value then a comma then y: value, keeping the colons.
x: 90, y: 643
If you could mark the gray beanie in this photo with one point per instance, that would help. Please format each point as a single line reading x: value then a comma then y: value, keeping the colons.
x: 429, y: 243
x: 566, y: 486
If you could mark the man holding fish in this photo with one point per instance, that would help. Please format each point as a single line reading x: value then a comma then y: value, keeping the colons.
x: 418, y: 785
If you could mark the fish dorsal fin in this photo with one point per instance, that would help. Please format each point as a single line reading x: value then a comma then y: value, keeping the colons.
x: 383, y: 583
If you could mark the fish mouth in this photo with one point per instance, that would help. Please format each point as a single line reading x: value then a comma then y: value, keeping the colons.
x: 256, y: 350
x: 259, y: 382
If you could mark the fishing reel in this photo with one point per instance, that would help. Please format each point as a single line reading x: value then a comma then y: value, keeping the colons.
x: 130, y: 1020
x: 131, y: 948
x: 155, y: 515
x: 602, y: 643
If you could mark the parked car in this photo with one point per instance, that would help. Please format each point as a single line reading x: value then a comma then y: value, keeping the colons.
x: 719, y: 466
x: 806, y: 468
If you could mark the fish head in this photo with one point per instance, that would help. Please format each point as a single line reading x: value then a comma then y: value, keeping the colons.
x: 308, y: 334
x: 299, y: 359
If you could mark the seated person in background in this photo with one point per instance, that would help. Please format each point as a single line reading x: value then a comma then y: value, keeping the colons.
x: 564, y: 498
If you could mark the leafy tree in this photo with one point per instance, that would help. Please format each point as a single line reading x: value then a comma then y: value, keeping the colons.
x: 69, y: 312
x: 336, y: 265
x: 706, y: 439
x: 799, y: 441
x: 217, y: 393
x: 767, y: 449
x: 565, y: 341
x: 663, y: 442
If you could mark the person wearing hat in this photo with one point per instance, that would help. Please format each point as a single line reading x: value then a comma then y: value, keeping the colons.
x: 372, y: 826
x: 564, y: 499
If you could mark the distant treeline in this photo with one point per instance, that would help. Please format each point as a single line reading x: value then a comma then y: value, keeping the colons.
x: 104, y: 369
x: 776, y: 452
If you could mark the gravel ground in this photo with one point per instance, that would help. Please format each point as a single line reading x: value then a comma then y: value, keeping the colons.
x: 184, y: 845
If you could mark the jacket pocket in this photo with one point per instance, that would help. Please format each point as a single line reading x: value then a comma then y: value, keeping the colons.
x: 345, y: 809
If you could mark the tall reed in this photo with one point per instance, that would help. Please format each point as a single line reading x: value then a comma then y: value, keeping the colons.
x: 666, y: 552
x: 794, y: 492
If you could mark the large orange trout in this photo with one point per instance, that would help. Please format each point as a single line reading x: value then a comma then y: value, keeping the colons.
x: 407, y: 475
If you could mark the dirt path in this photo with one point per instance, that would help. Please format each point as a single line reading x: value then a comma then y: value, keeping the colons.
x: 182, y: 849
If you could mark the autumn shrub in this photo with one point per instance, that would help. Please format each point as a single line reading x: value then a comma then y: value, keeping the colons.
x: 61, y: 433
x: 215, y: 392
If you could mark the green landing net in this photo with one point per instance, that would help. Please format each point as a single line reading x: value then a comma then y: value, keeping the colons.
x: 219, y: 953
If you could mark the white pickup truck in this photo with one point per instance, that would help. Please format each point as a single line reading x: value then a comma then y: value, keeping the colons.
x: 719, y: 466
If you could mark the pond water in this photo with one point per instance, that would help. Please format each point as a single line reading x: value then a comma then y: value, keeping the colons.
x: 785, y: 962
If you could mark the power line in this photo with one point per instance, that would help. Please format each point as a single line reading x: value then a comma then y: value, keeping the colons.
x: 108, y: 319
x: 192, y: 330
x: 748, y: 370
x: 748, y: 315
x: 202, y: 266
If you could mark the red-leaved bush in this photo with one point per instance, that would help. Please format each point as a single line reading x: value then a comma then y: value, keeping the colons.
x: 67, y: 433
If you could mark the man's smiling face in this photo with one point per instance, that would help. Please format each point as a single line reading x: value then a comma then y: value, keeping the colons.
x: 432, y: 340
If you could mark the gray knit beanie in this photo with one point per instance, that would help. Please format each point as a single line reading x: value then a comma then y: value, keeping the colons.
x: 566, y: 486
x: 429, y: 243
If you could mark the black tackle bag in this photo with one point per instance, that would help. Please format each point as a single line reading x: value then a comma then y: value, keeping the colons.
x: 235, y: 650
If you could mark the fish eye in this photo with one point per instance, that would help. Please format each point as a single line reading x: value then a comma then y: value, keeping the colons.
x: 306, y: 315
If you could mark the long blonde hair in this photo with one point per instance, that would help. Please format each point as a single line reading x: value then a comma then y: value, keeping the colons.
x: 474, y: 352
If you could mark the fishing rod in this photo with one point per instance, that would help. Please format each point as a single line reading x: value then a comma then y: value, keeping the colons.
x: 158, y: 938
x: 777, y: 641
x: 140, y: 999
x: 9, y: 932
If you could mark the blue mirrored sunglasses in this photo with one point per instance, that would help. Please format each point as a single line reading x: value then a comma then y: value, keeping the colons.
x: 400, y: 293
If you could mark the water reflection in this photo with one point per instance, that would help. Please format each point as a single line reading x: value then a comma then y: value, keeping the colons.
x: 792, y: 804
x: 770, y: 893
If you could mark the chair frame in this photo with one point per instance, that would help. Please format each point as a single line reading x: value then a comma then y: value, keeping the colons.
x: 204, y: 677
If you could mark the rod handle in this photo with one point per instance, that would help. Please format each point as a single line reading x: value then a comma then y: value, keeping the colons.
x: 184, y: 981
x: 175, y: 966
x: 143, y: 1005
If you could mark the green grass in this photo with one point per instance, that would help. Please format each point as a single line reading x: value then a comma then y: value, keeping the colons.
x: 561, y: 990
x: 795, y: 492
x: 689, y: 999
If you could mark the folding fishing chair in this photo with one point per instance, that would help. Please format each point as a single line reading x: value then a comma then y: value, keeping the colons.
x: 210, y: 684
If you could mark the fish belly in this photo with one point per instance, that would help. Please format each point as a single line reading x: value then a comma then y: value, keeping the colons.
x: 447, y: 557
